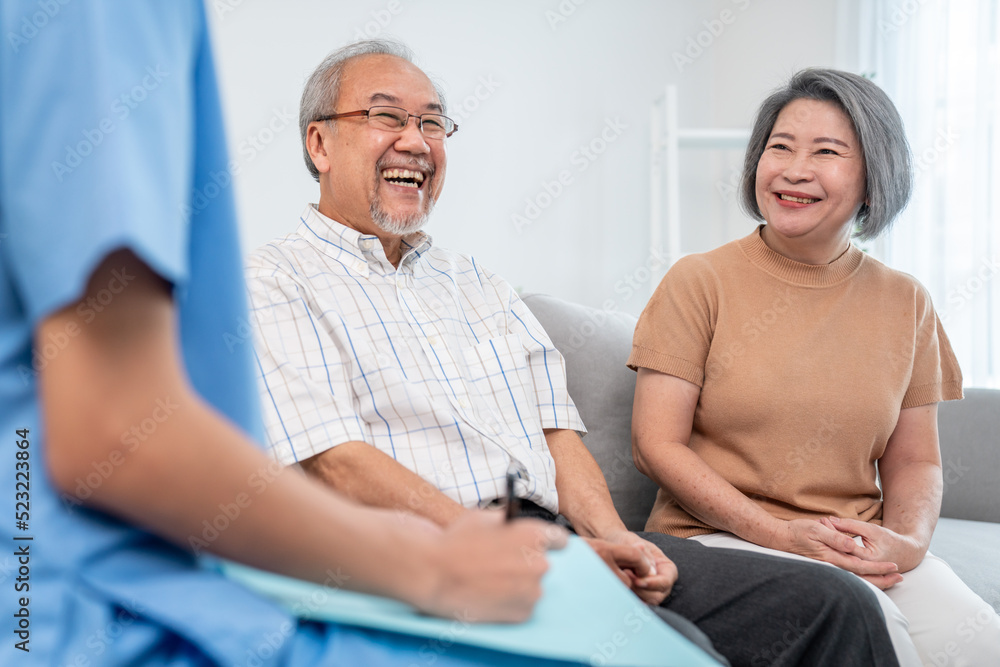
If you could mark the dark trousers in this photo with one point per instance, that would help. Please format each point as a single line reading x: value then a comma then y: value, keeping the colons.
x: 758, y: 610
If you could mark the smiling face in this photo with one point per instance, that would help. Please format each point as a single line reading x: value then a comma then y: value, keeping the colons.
x: 810, y: 182
x: 374, y: 180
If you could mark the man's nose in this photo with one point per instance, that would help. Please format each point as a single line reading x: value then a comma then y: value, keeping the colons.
x: 411, y: 138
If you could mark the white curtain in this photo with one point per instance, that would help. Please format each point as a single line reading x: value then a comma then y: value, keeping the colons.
x: 938, y: 61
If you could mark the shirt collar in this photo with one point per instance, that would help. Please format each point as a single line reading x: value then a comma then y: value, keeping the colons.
x: 357, y: 251
x: 797, y: 273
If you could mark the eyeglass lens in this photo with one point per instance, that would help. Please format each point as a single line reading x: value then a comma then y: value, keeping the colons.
x: 390, y: 118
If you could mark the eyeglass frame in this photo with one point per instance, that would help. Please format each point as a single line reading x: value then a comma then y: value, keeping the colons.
x: 366, y: 113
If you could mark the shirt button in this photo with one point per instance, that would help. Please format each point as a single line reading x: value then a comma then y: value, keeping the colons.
x: 464, y: 404
x: 432, y: 341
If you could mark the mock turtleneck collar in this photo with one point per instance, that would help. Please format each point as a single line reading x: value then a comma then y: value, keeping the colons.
x: 797, y: 273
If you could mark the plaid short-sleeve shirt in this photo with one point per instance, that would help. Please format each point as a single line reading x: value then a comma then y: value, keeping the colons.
x: 437, y: 363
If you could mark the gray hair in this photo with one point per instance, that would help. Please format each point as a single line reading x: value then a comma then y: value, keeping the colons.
x: 319, y: 97
x: 877, y: 125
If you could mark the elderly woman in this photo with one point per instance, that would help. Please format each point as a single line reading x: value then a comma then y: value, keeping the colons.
x: 787, y: 382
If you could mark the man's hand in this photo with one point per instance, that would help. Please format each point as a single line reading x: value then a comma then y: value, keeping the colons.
x: 879, y: 543
x: 820, y: 540
x: 639, y: 564
x: 584, y: 499
x: 485, y: 570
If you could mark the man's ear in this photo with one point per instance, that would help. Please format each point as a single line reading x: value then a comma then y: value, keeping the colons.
x: 316, y: 145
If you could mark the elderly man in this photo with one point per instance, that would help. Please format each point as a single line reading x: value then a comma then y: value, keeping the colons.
x: 410, y: 377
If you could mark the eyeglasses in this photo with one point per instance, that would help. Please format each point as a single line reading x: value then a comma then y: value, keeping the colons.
x: 394, y: 119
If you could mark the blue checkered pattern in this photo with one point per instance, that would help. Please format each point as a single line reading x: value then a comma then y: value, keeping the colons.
x: 437, y: 363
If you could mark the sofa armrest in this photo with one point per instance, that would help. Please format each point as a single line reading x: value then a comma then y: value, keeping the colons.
x: 970, y: 454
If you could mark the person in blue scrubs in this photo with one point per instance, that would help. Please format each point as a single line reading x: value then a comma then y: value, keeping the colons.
x: 127, y: 411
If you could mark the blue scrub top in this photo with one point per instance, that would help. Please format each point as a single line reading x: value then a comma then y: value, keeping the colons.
x: 111, y: 137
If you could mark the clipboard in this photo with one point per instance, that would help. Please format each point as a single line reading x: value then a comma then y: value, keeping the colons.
x: 585, y: 615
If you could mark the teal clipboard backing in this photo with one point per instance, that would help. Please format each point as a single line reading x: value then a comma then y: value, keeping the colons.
x: 585, y: 615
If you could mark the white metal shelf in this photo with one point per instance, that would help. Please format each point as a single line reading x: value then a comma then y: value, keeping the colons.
x: 666, y: 141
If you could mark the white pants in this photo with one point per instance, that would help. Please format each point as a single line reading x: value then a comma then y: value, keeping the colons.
x: 933, y: 618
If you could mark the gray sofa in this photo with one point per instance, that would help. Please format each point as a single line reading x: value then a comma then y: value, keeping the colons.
x: 596, y: 344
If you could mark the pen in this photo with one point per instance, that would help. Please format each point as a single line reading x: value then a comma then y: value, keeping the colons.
x: 514, y: 471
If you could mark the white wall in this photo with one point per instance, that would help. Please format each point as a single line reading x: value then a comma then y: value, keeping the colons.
x: 762, y: 48
x: 559, y: 74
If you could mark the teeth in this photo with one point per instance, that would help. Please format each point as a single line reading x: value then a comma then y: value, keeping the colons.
x: 800, y: 200
x: 404, y: 176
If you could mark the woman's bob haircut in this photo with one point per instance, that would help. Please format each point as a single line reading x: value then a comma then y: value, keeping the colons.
x: 877, y: 125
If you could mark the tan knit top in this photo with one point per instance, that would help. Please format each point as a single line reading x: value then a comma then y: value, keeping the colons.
x: 803, y: 370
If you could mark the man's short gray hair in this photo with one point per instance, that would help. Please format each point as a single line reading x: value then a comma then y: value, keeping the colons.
x: 877, y: 125
x: 319, y: 97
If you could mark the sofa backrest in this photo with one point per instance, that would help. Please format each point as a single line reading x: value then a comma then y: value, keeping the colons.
x: 970, y: 455
x: 596, y: 345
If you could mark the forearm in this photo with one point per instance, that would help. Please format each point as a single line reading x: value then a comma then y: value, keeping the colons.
x: 912, y: 505
x: 371, y: 477
x: 705, y: 494
x: 910, y: 472
x: 584, y: 497
x: 198, y: 481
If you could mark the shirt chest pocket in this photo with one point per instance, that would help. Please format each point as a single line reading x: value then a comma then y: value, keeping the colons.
x: 499, y: 381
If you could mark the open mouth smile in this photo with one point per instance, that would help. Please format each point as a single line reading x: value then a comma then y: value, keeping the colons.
x: 798, y: 200
x: 405, y: 177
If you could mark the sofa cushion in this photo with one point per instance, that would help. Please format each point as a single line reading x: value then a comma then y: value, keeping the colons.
x: 596, y: 344
x: 970, y: 455
x: 971, y: 548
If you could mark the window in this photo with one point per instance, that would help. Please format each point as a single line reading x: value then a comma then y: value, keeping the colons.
x: 937, y: 60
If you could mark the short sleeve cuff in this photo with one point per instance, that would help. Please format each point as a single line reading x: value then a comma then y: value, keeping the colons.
x: 643, y: 357
x: 300, y: 447
x: 570, y: 422
x: 933, y: 393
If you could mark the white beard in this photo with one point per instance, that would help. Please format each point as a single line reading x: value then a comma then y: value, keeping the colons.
x: 398, y: 226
